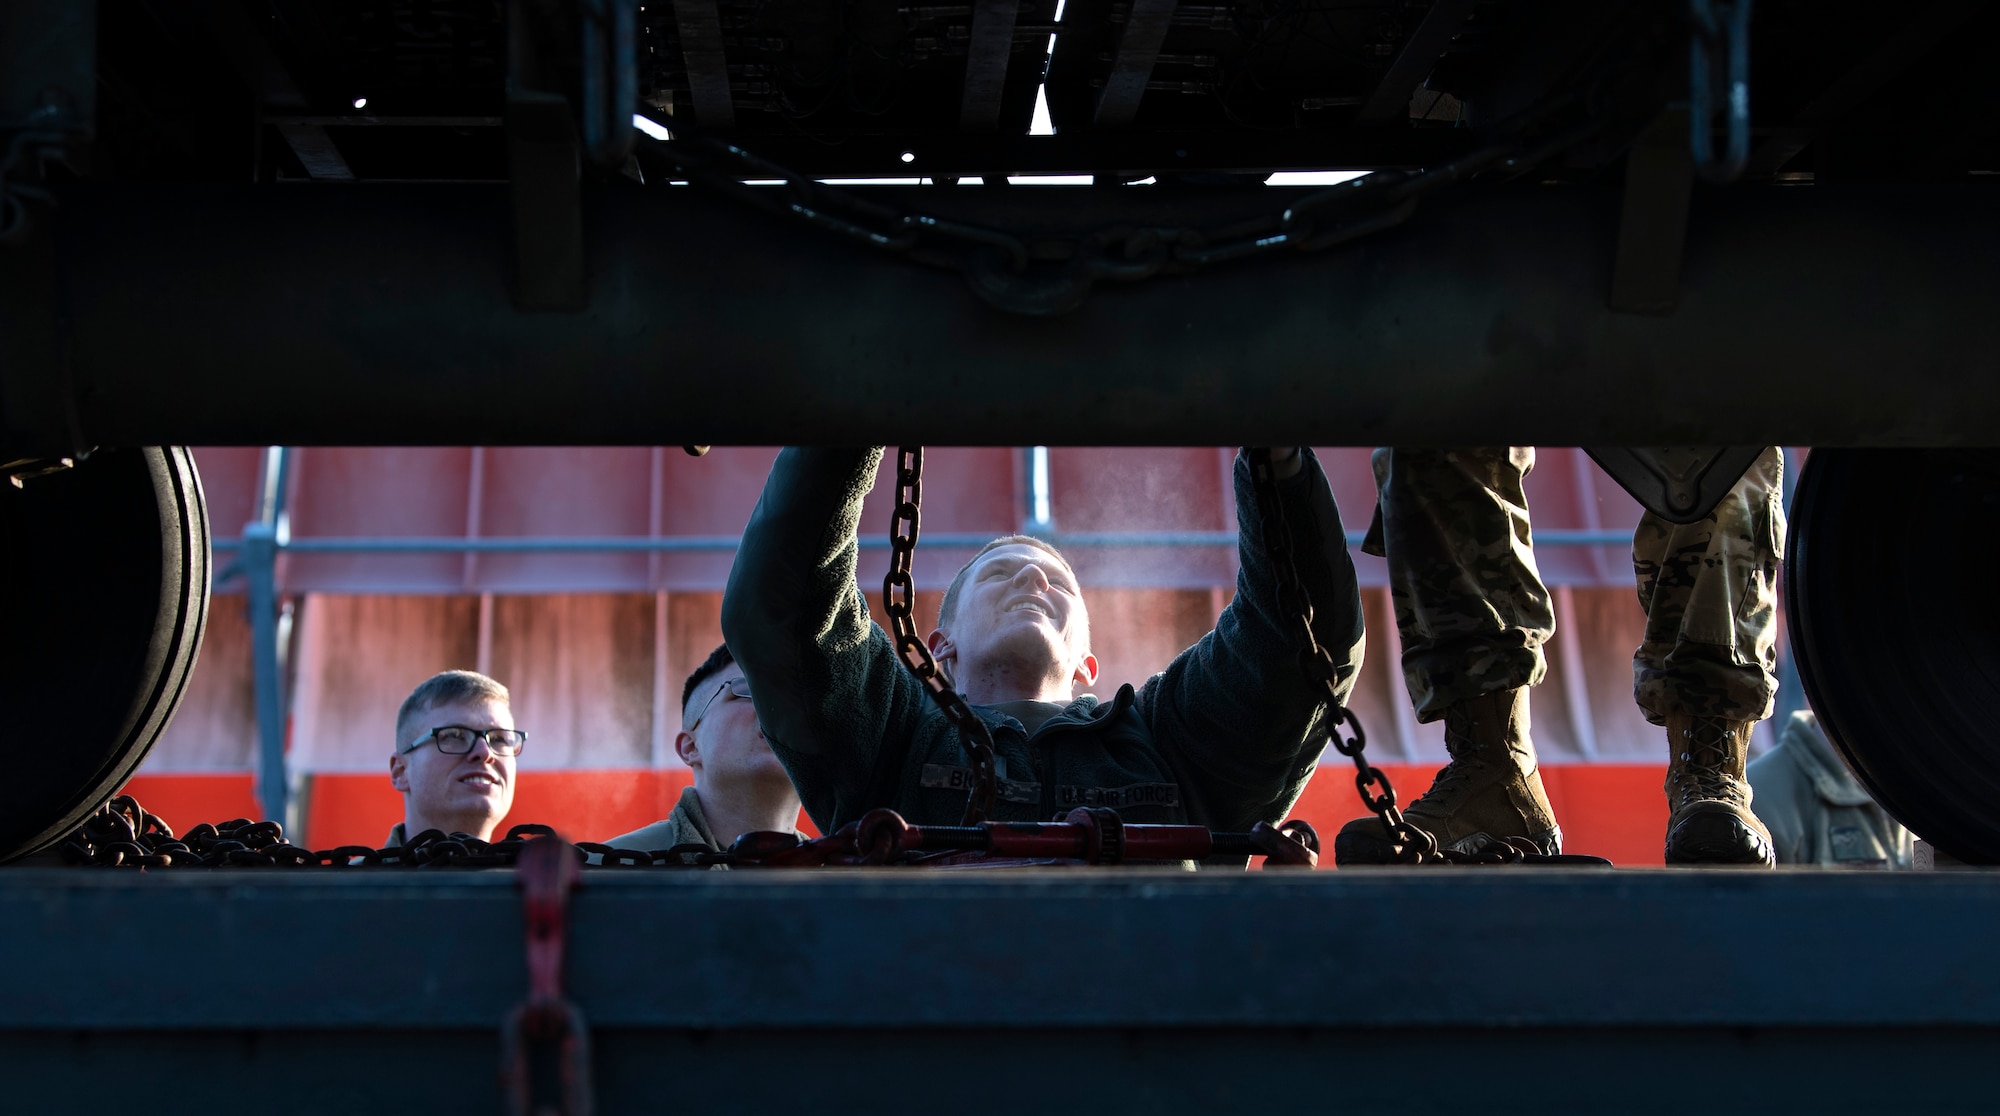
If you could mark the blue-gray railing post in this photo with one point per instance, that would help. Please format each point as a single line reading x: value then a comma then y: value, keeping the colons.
x: 259, y: 558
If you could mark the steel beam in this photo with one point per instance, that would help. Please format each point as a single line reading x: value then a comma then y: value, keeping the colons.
x: 1133, y: 991
x: 258, y: 63
x: 1425, y: 44
x: 1858, y: 316
x: 986, y: 57
x: 700, y: 25
x: 1139, y: 42
x: 316, y: 151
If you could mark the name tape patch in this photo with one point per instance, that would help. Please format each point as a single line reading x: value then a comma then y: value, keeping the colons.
x: 1138, y: 794
x: 946, y: 777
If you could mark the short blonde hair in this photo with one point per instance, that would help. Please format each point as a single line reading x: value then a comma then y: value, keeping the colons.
x: 444, y: 689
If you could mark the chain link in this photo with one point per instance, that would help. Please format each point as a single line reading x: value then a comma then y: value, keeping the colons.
x: 123, y: 834
x: 899, y: 595
x: 1057, y: 274
x: 1295, y: 603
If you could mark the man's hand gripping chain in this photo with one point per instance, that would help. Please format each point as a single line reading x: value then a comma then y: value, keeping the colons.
x: 1318, y: 665
x: 899, y: 594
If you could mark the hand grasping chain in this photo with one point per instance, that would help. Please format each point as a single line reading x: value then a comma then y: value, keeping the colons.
x: 899, y: 594
x: 1294, y: 602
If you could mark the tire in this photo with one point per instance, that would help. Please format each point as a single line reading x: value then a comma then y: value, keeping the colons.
x: 104, y: 572
x: 1890, y: 596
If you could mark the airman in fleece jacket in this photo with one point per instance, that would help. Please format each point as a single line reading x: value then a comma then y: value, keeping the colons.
x: 1226, y: 736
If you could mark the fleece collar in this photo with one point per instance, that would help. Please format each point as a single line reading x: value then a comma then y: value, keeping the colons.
x: 1809, y: 748
x: 1085, y: 710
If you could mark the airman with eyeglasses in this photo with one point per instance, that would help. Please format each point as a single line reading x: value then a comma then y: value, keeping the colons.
x: 454, y: 756
x: 739, y: 785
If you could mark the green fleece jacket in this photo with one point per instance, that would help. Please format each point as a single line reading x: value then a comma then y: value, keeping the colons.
x: 1226, y: 736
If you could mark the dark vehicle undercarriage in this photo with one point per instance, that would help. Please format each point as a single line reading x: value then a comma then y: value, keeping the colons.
x: 1674, y: 231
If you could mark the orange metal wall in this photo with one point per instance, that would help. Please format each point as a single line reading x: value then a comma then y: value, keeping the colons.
x: 595, y: 646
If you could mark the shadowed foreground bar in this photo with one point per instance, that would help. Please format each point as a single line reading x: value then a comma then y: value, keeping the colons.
x: 1428, y: 991
x: 372, y: 315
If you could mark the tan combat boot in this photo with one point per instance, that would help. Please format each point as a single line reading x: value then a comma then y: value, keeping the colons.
x: 1489, y: 792
x: 1709, y: 796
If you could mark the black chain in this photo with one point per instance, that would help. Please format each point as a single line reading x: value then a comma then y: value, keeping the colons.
x: 122, y: 834
x: 1318, y: 665
x: 1057, y: 273
x: 899, y: 595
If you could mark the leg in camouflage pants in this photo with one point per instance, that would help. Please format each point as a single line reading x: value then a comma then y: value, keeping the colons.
x: 1710, y: 594
x: 1470, y: 603
x: 1473, y: 615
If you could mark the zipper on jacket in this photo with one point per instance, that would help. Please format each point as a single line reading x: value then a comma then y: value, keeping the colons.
x: 1048, y: 765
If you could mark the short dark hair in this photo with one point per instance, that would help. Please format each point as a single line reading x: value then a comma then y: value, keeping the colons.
x: 948, y: 608
x: 444, y: 689
x: 717, y: 659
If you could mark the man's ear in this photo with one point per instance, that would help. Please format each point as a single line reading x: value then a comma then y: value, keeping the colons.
x: 399, y: 773
x: 686, y: 748
x: 944, y: 651
x: 1086, y: 671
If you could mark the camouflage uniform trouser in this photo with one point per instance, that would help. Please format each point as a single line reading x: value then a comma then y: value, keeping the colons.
x: 1473, y: 612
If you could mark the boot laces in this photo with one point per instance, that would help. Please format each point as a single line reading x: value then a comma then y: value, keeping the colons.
x: 1453, y: 779
x: 1705, y: 757
x: 1461, y: 775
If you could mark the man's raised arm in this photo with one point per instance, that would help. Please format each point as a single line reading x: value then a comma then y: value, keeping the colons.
x: 1236, y: 706
x: 834, y: 703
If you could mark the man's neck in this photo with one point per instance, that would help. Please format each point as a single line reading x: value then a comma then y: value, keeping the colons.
x: 414, y: 824
x: 755, y: 810
x: 991, y: 684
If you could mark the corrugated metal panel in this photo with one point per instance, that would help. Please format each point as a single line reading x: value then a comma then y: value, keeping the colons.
x: 561, y: 493
x: 215, y: 728
x: 229, y: 476
x: 1119, y: 490
x: 358, y: 657
x: 1567, y: 491
x: 385, y: 492
x: 601, y: 674
x: 967, y: 490
x: 659, y: 492
x: 587, y: 663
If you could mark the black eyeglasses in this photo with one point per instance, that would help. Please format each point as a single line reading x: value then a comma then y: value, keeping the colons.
x: 457, y: 740
x: 736, y: 687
